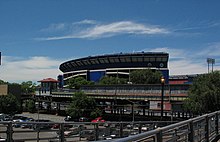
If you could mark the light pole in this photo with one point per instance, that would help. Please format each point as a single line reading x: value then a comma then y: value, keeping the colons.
x: 162, y: 80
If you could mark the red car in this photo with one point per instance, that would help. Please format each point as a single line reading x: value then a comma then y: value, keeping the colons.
x: 98, y: 119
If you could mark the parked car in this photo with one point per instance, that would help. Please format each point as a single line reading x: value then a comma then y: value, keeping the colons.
x: 16, y: 119
x: 28, y: 124
x: 83, y: 119
x: 44, y: 124
x: 66, y: 126
x: 76, y: 129
x: 2, y: 139
x: 98, y: 119
x: 88, y: 135
x: 4, y: 117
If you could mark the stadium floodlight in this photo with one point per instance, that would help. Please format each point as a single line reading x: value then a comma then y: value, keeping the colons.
x: 210, y: 61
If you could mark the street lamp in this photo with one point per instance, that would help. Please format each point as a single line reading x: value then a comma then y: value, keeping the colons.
x: 162, y: 80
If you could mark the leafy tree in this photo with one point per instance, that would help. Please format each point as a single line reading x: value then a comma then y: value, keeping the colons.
x: 9, y: 104
x: 109, y: 80
x: 145, y: 76
x: 204, y: 94
x: 3, y: 82
x: 81, y: 105
x: 28, y: 87
x: 77, y: 82
x: 31, y: 106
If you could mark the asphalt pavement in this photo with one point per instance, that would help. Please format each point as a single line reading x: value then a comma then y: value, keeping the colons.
x: 54, y: 118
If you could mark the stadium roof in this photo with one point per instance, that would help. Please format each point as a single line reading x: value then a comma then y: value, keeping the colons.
x: 137, y: 59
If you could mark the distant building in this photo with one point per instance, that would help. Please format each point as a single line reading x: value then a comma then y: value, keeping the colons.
x: 182, y: 79
x: 46, y: 86
x: 93, y: 68
x: 14, y: 89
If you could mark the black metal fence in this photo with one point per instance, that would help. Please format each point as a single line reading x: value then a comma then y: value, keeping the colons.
x: 73, y: 131
x: 204, y: 128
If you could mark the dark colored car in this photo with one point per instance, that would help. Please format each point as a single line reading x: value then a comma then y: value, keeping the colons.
x: 83, y: 119
x: 43, y: 124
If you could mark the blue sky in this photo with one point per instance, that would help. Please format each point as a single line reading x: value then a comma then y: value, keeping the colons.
x: 37, y: 36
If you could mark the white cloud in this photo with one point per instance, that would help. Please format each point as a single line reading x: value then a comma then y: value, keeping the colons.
x: 55, y: 27
x: 212, y: 50
x: 33, y: 69
x: 108, y: 30
x: 184, y: 62
x: 173, y: 53
x: 184, y: 67
x: 86, y: 21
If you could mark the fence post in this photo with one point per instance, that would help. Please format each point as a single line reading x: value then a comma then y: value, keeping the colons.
x: 9, y: 132
x: 121, y: 130
x: 61, y: 132
x: 159, y: 136
x: 139, y: 128
x: 207, y: 128
x: 96, y: 131
x: 191, y: 132
x: 216, y: 124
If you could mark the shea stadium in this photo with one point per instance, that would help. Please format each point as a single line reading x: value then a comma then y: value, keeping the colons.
x: 93, y: 68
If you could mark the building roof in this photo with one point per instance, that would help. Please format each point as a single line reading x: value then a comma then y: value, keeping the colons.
x: 49, y: 80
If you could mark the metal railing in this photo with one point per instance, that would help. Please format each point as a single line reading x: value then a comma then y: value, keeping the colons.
x: 72, y: 131
x: 204, y: 128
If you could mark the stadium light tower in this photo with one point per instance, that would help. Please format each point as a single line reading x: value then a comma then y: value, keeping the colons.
x: 210, y: 61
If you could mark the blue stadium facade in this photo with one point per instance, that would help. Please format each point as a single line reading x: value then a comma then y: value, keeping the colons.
x: 119, y: 65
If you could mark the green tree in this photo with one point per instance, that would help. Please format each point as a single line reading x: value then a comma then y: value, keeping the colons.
x: 109, y: 80
x: 28, y: 87
x: 204, y: 94
x: 9, y: 104
x: 77, y: 82
x: 81, y: 105
x: 145, y: 76
x: 3, y: 82
x: 31, y: 106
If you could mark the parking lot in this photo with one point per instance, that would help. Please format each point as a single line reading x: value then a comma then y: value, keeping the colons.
x: 54, y: 118
x: 54, y: 129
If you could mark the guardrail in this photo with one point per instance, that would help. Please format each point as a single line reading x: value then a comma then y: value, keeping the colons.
x: 72, y: 131
x: 204, y: 128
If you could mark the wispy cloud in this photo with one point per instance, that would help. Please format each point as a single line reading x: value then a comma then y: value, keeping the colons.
x: 173, y: 53
x: 212, y: 50
x: 95, y: 30
x: 184, y: 62
x: 54, y: 27
x: 15, y: 69
x: 86, y: 21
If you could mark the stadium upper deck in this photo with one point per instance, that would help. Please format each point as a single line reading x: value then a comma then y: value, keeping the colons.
x: 94, y: 67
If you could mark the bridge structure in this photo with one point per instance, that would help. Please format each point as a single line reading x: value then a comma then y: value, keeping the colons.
x: 117, y: 98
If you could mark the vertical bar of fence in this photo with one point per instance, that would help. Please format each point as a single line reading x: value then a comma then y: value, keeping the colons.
x: 191, y: 132
x: 61, y: 132
x: 121, y: 130
x: 139, y: 128
x: 9, y: 132
x: 216, y: 124
x: 159, y: 136
x: 96, y: 131
x: 207, y: 128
